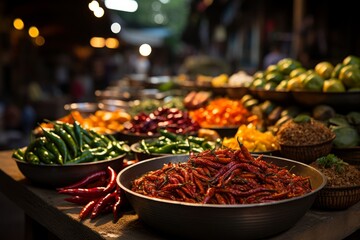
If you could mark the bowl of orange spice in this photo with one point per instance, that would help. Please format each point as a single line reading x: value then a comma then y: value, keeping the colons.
x: 223, y: 115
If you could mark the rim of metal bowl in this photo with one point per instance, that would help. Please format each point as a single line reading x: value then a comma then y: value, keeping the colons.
x: 217, y: 205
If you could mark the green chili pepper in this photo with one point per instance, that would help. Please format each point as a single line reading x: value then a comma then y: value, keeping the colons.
x: 121, y: 147
x: 165, y: 149
x: 44, y: 155
x: 69, y: 141
x: 70, y: 130
x: 98, y: 142
x: 85, y: 156
x: 38, y: 142
x: 196, y: 150
x: 87, y: 139
x: 168, y: 134
x: 197, y: 140
x: 60, y: 144
x: 86, y: 133
x: 144, y: 147
x: 78, y: 134
x: 51, y: 147
x: 104, y: 138
x: 99, y: 152
x: 18, y: 154
x: 32, y: 158
x: 208, y: 145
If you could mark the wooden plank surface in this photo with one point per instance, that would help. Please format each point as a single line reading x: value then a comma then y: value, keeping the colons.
x: 48, y: 208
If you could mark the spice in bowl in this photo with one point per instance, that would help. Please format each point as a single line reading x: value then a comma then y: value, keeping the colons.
x: 304, y: 139
x: 342, y: 188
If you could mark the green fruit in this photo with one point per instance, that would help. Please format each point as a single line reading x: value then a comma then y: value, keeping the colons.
x: 296, y: 72
x: 286, y: 65
x: 324, y: 69
x: 258, y: 83
x: 271, y: 68
x: 270, y: 86
x: 350, y: 76
x: 313, y: 82
x: 246, y: 98
x: 258, y: 74
x: 336, y: 71
x: 351, y: 59
x: 282, y: 86
x: 345, y: 137
x: 294, y: 84
x: 275, y: 77
x: 333, y: 85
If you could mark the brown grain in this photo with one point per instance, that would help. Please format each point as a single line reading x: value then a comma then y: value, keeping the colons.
x: 305, y: 133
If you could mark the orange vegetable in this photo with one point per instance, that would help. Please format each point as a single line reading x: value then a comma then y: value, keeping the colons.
x: 223, y: 112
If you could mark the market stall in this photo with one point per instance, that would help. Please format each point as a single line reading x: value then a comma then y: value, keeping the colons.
x: 251, y: 146
x: 47, y: 208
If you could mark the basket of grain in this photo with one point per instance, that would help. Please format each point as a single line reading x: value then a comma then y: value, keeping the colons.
x: 342, y: 189
x: 304, y: 139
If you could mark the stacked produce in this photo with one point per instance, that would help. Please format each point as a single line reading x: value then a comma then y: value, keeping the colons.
x: 101, y: 121
x: 288, y: 75
x: 347, y: 129
x: 172, y: 119
x: 170, y: 143
x: 70, y: 144
x: 223, y: 112
x: 253, y: 139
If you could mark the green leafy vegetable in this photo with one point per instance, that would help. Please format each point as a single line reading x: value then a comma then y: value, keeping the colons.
x: 330, y: 161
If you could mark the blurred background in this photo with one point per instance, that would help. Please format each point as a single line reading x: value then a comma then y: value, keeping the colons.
x: 53, y: 53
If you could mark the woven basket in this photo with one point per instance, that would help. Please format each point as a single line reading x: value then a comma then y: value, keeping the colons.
x: 306, y: 153
x: 337, y: 198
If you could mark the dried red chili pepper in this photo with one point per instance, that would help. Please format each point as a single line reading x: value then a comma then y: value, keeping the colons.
x: 119, y: 201
x: 87, y: 180
x: 85, y: 211
x: 101, y: 203
x: 112, y: 180
x: 93, y: 192
x: 78, y: 200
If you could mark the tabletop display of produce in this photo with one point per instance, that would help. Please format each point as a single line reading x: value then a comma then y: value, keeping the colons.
x: 242, y: 146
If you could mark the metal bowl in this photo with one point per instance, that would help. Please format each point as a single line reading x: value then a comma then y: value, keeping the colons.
x: 52, y: 176
x: 212, y: 221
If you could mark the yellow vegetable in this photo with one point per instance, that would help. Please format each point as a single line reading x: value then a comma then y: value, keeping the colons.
x: 220, y: 80
x: 253, y: 139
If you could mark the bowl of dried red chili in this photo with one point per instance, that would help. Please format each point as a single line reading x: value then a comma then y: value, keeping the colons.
x: 220, y: 194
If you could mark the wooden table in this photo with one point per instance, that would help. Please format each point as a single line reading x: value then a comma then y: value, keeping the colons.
x: 47, y: 208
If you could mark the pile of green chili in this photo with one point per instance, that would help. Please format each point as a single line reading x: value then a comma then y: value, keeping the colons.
x: 170, y: 143
x: 70, y: 144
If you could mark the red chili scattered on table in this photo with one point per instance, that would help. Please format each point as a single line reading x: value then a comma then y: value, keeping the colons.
x: 96, y: 200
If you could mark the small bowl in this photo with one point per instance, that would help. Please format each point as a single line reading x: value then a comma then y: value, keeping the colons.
x: 337, y: 198
x: 306, y: 153
x: 52, y: 176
